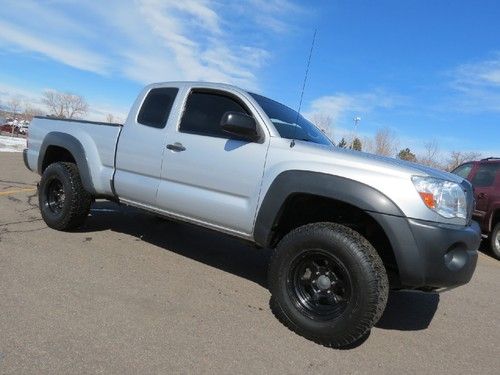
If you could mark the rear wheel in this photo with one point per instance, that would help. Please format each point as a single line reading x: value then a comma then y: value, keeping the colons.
x: 64, y: 203
x: 495, y: 241
x: 328, y: 284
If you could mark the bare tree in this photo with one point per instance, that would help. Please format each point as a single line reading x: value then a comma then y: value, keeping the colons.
x: 65, y: 104
x: 324, y: 122
x: 30, y: 112
x: 459, y: 157
x: 368, y: 145
x: 110, y: 118
x: 386, y: 142
x: 430, y: 156
x: 14, y: 106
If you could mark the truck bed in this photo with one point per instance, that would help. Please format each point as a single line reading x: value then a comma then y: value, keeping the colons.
x: 98, y: 140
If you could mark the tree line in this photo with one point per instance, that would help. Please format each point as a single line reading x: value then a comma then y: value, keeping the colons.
x: 386, y: 143
x: 63, y: 105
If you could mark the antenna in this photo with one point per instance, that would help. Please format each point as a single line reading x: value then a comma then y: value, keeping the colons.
x: 303, y: 88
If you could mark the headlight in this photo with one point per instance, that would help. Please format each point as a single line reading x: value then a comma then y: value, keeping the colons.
x: 444, y: 197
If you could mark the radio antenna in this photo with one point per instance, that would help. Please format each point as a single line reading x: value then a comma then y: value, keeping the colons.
x: 303, y: 88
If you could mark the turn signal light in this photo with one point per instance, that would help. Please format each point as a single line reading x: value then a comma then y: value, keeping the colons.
x: 428, y: 199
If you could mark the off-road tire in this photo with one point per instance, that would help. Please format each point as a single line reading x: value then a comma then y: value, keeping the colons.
x: 370, y: 286
x: 494, y: 242
x: 76, y: 205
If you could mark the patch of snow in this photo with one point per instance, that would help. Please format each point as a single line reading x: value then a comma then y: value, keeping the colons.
x: 12, y: 144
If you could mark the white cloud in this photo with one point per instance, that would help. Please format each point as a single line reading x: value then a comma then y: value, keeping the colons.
x: 477, y: 86
x: 208, y: 57
x: 269, y: 11
x: 23, y: 93
x: 340, y: 104
x: 483, y: 73
x: 147, y: 40
x: 58, y: 50
x: 144, y: 40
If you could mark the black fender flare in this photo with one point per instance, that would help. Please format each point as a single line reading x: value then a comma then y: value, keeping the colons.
x: 376, y: 204
x: 288, y: 183
x: 76, y: 149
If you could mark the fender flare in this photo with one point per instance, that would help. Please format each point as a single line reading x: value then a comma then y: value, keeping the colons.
x: 75, y: 148
x: 339, y: 188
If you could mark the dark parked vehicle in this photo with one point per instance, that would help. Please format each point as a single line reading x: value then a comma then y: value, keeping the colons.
x: 485, y: 177
x: 9, y: 128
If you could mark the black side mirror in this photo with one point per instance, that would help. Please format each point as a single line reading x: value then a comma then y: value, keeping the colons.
x: 240, y: 125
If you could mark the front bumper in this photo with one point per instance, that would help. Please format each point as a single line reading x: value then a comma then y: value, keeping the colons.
x: 431, y: 255
x: 449, y: 253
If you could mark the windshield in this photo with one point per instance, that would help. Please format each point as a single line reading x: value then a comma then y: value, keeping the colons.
x: 289, y: 123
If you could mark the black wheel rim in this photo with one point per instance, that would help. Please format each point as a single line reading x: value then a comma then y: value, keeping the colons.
x: 55, y: 196
x: 319, y: 285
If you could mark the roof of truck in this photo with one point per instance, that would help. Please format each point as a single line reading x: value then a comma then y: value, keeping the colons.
x: 194, y: 83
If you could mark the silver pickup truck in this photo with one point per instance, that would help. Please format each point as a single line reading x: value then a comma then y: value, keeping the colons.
x: 345, y: 226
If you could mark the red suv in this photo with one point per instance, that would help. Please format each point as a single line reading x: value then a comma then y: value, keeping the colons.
x: 485, y: 177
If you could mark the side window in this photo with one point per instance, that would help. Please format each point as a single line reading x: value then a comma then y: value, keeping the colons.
x: 485, y: 175
x: 156, y: 107
x: 463, y: 170
x: 204, y: 111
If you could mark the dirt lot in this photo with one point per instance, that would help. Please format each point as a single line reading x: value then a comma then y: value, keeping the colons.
x: 130, y: 293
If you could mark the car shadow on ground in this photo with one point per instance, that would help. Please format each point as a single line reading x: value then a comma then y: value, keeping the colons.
x: 409, y: 310
x: 202, y: 245
x: 406, y: 310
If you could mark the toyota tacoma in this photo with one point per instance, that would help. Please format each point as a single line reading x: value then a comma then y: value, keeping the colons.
x: 344, y: 226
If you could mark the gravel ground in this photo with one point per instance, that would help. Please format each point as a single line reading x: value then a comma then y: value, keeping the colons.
x: 129, y: 293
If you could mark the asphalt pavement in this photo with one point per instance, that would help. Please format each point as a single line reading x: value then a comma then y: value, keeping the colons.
x: 133, y: 294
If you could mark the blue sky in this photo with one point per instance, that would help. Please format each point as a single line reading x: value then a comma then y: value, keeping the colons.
x: 428, y: 70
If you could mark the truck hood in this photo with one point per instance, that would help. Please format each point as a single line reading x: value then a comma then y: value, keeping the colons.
x: 385, y: 162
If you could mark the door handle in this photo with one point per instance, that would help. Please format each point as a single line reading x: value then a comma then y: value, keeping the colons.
x: 176, y: 147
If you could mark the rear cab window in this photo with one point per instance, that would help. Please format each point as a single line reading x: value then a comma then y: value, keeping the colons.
x: 156, y: 107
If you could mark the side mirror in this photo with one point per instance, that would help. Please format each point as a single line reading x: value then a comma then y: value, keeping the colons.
x: 240, y: 125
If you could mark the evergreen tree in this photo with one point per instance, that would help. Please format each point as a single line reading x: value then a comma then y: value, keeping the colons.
x: 357, y: 145
x: 342, y: 143
x: 406, y: 154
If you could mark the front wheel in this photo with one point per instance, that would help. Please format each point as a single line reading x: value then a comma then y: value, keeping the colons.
x: 328, y: 284
x: 495, y: 241
x: 64, y: 203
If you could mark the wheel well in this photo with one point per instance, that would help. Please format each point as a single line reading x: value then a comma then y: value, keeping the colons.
x: 301, y: 209
x: 55, y: 154
x: 495, y: 218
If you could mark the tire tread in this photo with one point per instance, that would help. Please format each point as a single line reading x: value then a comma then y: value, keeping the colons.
x: 378, y: 282
x: 79, y: 199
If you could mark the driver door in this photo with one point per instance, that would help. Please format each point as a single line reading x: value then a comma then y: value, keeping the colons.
x: 208, y: 176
